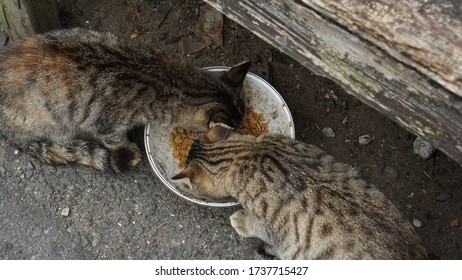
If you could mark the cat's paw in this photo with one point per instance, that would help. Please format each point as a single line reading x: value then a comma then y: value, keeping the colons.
x: 121, y: 159
x: 240, y: 221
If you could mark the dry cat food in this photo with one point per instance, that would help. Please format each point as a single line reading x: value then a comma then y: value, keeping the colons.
x: 181, y: 139
x: 254, y: 123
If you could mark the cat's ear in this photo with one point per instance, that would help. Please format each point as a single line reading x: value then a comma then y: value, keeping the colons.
x: 189, y: 172
x: 235, y: 76
x: 216, y: 133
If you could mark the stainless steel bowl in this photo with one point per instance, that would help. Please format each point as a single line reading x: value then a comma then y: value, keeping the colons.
x: 264, y: 99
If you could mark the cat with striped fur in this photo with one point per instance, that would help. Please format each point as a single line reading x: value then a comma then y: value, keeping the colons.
x: 296, y: 198
x: 72, y: 95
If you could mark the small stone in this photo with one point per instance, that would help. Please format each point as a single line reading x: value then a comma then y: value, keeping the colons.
x: 390, y: 172
x: 329, y: 132
x: 442, y: 197
x: 124, y: 221
x: 455, y: 223
x: 364, y: 139
x: 423, y: 148
x: 2, y: 170
x: 30, y: 166
x: 16, y: 152
x: 65, y: 212
x: 417, y: 223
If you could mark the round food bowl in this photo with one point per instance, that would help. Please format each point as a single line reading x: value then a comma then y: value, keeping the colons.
x: 258, y: 93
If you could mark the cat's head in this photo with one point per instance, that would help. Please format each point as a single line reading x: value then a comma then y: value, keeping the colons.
x: 199, y: 171
x: 229, y: 109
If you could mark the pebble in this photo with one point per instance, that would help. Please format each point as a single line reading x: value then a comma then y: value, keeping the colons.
x: 124, y: 221
x: 423, y: 148
x: 390, y: 172
x: 364, y: 139
x: 30, y: 166
x: 455, y: 223
x: 329, y: 132
x: 442, y: 197
x: 65, y: 212
x: 417, y: 223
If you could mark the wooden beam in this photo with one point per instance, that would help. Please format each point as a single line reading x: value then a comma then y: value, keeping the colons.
x: 22, y: 18
x: 377, y: 59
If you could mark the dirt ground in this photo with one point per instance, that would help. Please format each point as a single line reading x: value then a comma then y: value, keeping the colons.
x: 388, y: 161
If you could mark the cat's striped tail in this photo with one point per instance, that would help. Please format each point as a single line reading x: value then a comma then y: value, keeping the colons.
x: 83, y: 152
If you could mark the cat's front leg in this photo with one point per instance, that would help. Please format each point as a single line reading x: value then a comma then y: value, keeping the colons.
x: 240, y: 221
x: 247, y: 225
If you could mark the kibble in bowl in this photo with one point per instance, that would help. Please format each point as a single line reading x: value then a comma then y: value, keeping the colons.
x: 266, y: 113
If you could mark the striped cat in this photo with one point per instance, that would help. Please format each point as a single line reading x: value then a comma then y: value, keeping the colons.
x: 299, y: 200
x: 72, y: 95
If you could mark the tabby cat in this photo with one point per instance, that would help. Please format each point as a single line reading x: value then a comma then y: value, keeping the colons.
x: 71, y: 96
x: 299, y: 200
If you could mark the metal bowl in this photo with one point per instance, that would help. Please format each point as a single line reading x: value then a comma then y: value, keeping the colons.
x: 264, y: 99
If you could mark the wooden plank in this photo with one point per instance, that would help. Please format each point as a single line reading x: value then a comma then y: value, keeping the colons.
x: 391, y: 84
x: 426, y: 36
x: 22, y: 18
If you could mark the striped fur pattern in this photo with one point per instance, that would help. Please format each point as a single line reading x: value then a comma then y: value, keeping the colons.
x: 71, y: 96
x: 299, y: 200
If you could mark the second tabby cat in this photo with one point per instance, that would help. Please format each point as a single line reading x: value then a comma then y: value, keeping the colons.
x: 298, y: 199
x: 71, y: 96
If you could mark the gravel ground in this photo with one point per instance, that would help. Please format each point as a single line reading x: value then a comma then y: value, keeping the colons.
x: 73, y: 212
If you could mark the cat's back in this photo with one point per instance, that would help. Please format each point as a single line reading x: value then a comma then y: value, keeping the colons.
x: 322, y: 209
x: 53, y: 50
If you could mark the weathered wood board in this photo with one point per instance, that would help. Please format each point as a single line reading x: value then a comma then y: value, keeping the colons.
x: 401, y: 57
x: 22, y: 18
